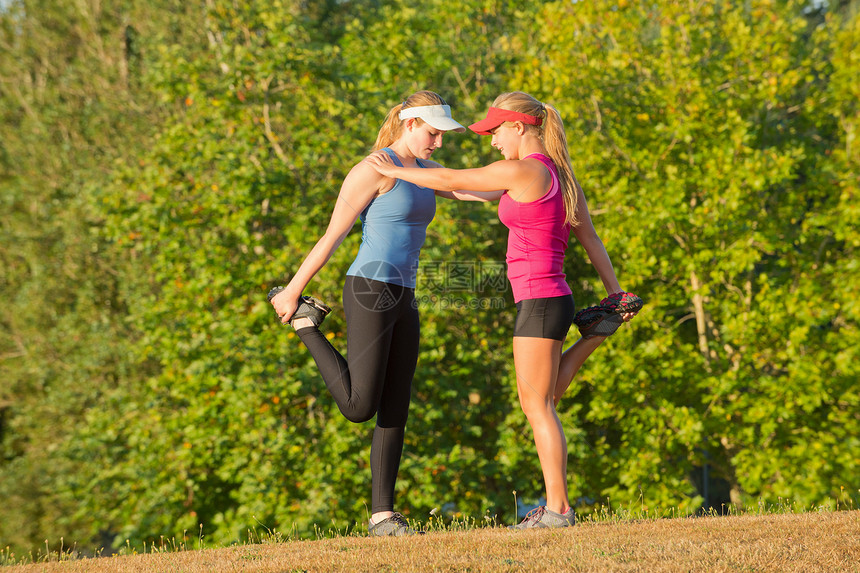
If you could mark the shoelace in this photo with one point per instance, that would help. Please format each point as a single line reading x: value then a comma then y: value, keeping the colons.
x: 399, y: 519
x: 535, y: 515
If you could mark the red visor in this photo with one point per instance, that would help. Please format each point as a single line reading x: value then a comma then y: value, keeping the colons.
x: 497, y: 116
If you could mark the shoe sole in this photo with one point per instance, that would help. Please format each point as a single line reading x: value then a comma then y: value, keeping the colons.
x: 608, y: 324
x: 274, y: 292
x: 605, y: 325
x: 634, y: 304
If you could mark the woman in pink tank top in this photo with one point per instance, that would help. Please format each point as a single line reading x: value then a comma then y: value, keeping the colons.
x: 540, y: 202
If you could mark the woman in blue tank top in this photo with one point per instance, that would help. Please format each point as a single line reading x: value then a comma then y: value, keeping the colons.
x: 378, y: 294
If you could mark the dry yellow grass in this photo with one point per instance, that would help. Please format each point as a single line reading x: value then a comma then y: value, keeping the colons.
x: 808, y: 542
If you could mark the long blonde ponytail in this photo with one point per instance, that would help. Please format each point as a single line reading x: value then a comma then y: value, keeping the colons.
x: 392, y: 127
x: 555, y: 141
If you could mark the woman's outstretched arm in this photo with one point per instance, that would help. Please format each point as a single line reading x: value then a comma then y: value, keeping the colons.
x: 359, y: 187
x: 464, y: 182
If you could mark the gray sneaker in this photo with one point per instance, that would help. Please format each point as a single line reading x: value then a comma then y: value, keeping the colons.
x: 394, y: 526
x: 542, y: 517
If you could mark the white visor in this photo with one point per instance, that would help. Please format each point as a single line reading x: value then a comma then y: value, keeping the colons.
x: 438, y: 116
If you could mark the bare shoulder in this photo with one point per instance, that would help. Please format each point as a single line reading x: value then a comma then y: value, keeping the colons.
x: 533, y: 164
x: 515, y: 169
x: 363, y: 171
x: 530, y: 180
x: 364, y: 179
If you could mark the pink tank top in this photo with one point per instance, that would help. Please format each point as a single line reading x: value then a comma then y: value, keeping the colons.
x: 537, y: 240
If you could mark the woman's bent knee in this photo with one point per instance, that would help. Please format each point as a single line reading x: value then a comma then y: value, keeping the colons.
x: 358, y: 415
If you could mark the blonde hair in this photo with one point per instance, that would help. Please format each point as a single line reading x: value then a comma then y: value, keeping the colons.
x: 393, y: 125
x: 555, y: 141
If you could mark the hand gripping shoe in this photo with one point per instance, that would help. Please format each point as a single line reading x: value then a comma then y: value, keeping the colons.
x: 605, y: 318
x: 309, y: 307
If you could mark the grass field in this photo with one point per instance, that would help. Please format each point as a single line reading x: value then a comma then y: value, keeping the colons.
x: 808, y: 542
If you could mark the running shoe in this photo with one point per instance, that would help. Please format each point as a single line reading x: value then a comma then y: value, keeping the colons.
x: 309, y: 307
x: 597, y: 321
x: 541, y: 517
x: 605, y: 318
x: 622, y: 302
x: 394, y: 526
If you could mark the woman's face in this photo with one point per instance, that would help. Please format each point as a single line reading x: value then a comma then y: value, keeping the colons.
x: 506, y: 139
x: 424, y: 140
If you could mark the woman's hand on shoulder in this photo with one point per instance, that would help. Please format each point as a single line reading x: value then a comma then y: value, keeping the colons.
x: 381, y: 162
x: 364, y: 178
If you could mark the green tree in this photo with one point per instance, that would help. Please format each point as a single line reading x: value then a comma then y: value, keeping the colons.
x: 68, y: 109
x: 238, y: 186
x: 218, y: 436
x: 701, y: 151
x: 162, y: 165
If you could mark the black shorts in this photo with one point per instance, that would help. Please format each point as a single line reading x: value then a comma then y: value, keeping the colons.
x: 544, y: 317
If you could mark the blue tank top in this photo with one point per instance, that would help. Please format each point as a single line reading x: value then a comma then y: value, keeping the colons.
x: 393, y: 229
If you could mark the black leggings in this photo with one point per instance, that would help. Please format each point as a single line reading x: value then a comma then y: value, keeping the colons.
x: 382, y: 345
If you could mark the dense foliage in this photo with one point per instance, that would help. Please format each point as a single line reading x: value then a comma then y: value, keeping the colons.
x: 163, y: 163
